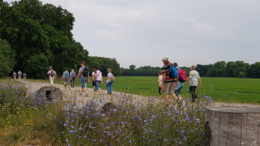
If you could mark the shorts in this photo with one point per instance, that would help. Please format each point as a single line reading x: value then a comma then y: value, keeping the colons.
x: 66, y: 80
x: 83, y: 81
x: 169, y: 88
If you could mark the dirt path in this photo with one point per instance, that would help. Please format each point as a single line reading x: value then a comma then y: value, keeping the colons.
x: 102, y: 97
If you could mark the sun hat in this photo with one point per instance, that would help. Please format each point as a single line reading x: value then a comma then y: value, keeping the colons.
x: 165, y: 59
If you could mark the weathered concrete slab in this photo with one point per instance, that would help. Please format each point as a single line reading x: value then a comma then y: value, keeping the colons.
x: 46, y: 94
x: 234, y: 125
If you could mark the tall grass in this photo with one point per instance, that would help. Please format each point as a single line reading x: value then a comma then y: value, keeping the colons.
x: 97, y: 123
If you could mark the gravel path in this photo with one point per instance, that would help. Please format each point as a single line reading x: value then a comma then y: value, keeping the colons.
x: 102, y: 97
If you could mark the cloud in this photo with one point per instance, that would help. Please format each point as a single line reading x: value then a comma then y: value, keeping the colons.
x: 141, y: 32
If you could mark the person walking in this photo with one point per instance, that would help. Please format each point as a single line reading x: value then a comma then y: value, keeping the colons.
x: 94, y: 79
x: 14, y: 75
x: 66, y: 76
x: 160, y: 82
x: 83, y: 75
x: 52, y: 74
x: 182, y: 78
x: 194, y: 80
x: 72, y: 78
x: 19, y: 75
x: 98, y: 79
x: 170, y: 77
x: 110, y: 80
x: 24, y: 76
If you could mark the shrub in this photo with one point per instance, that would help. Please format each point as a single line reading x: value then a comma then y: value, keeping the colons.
x: 124, y: 124
x: 6, y: 58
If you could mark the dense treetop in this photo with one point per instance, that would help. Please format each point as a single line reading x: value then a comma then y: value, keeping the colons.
x: 40, y: 35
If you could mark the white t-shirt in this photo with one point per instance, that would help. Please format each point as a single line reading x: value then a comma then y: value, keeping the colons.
x: 49, y: 73
x: 109, y: 76
x: 194, y: 78
x: 160, y: 80
x: 98, y: 75
x: 93, y: 75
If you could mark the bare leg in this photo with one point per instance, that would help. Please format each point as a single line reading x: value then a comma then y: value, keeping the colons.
x: 174, y: 96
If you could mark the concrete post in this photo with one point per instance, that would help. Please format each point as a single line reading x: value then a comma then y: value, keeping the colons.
x: 233, y: 126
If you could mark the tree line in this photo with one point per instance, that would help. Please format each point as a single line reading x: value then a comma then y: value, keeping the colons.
x: 34, y: 36
x: 140, y: 71
x: 218, y: 69
x: 230, y: 69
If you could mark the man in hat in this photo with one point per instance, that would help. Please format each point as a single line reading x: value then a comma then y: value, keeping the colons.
x: 170, y: 78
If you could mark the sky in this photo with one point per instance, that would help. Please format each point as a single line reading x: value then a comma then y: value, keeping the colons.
x: 142, y: 32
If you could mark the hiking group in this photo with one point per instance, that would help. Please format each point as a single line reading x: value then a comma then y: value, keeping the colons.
x: 172, y: 78
x: 84, y: 76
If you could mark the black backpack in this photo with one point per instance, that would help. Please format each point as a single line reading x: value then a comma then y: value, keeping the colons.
x: 85, y: 72
x: 52, y: 73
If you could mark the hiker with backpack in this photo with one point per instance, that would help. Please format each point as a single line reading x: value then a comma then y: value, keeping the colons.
x: 182, y: 78
x: 194, y: 80
x: 66, y: 76
x: 170, y: 77
x: 83, y: 75
x: 52, y: 75
x: 72, y: 78
x: 110, y: 80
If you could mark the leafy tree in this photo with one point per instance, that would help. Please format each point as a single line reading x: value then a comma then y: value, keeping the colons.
x: 34, y: 31
x: 254, y: 70
x: 140, y: 71
x: 132, y: 67
x: 6, y: 58
x: 103, y: 64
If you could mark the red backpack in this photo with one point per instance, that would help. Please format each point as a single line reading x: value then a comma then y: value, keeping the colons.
x: 182, y: 75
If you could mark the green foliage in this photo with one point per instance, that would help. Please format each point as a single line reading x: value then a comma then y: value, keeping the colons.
x: 140, y: 71
x: 11, y: 92
x: 103, y: 64
x: 38, y: 65
x: 223, y: 69
x: 6, y: 58
x: 254, y: 70
x: 40, y: 32
x: 132, y: 67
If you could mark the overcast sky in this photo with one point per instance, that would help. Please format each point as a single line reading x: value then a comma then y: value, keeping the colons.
x: 141, y: 32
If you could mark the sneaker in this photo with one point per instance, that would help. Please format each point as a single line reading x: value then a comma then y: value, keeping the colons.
x: 180, y: 98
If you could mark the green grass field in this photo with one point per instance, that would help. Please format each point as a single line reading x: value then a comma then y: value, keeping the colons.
x: 220, y: 89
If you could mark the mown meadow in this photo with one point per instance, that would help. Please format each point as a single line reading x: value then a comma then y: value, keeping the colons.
x: 238, y: 90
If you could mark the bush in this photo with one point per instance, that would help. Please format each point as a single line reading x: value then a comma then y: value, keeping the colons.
x: 97, y: 123
x: 11, y: 92
x: 124, y: 124
x: 6, y: 58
